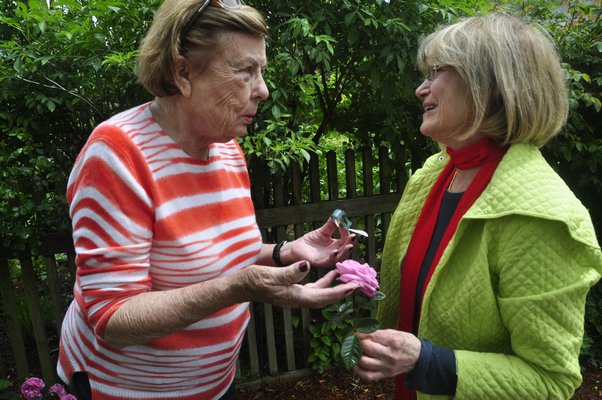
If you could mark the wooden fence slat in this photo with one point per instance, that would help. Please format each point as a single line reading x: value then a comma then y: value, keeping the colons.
x: 54, y: 289
x: 289, y: 339
x: 351, y: 188
x: 332, y: 174
x: 299, y: 231
x: 15, y: 334
x: 287, y: 319
x: 368, y: 178
x: 385, y: 182
x: 314, y: 178
x: 37, y: 321
x: 367, y: 173
x: 71, y: 264
x: 3, y: 374
x: 401, y: 176
x: 271, y: 339
x: 252, y: 343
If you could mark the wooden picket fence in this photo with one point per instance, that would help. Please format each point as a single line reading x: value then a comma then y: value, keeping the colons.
x: 287, y: 205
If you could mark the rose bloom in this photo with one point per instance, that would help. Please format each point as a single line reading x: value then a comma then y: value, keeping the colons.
x: 32, y: 388
x: 59, y: 390
x: 362, y: 274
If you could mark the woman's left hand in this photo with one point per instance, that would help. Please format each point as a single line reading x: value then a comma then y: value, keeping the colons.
x: 319, y: 247
x: 387, y: 353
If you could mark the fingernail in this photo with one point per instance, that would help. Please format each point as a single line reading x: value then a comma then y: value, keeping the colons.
x: 303, y: 267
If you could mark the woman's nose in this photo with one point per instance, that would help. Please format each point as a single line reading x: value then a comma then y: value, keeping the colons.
x: 421, y: 90
x: 261, y: 89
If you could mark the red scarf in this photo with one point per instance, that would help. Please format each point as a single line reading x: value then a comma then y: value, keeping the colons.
x: 484, y: 154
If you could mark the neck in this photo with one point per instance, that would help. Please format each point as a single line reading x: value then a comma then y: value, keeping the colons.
x: 169, y: 115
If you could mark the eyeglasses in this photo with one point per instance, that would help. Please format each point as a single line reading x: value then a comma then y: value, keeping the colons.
x: 432, y: 71
x: 227, y: 4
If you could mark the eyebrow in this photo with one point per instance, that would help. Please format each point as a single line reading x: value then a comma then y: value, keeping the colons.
x: 250, y: 60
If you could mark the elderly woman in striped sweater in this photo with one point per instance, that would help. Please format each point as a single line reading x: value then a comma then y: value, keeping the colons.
x: 169, y: 253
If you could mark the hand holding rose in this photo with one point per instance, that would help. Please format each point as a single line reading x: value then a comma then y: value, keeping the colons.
x: 354, y: 309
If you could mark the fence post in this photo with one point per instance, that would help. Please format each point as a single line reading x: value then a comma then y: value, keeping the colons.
x: 287, y: 319
x: 369, y: 222
x: 54, y: 288
x: 385, y: 181
x: 39, y: 332
x: 15, y: 334
x: 300, y: 231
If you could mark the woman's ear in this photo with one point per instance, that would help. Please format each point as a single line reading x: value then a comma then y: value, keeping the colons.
x: 182, y: 76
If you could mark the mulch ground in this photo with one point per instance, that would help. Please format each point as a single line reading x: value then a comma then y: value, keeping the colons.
x: 340, y: 384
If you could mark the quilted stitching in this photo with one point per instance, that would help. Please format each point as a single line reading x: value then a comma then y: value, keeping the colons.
x: 483, y: 303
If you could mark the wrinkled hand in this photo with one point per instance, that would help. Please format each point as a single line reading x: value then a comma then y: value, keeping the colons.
x: 279, y: 286
x: 387, y: 353
x: 320, y: 248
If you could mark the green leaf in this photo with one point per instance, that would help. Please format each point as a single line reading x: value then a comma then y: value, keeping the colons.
x: 378, y: 296
x: 367, y: 325
x: 51, y: 106
x: 351, y: 351
x: 276, y: 112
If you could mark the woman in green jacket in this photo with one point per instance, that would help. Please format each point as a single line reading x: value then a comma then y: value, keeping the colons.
x: 489, y: 256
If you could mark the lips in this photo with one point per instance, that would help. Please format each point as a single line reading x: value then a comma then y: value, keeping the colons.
x: 428, y: 107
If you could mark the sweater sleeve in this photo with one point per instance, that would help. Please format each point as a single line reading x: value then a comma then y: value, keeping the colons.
x: 435, y: 371
x: 542, y: 276
x: 111, y: 216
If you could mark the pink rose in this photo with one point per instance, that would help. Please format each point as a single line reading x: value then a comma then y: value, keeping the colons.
x: 59, y: 390
x: 362, y: 274
x: 32, y: 388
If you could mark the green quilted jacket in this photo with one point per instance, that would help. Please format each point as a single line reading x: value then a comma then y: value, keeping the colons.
x: 508, y: 294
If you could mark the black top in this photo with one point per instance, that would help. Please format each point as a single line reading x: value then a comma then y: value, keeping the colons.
x: 448, y: 207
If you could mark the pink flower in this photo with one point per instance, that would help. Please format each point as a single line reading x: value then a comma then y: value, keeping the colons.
x: 362, y: 274
x: 68, y: 397
x: 59, y: 390
x: 32, y: 388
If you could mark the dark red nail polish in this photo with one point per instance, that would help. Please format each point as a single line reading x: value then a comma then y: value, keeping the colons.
x: 303, y: 267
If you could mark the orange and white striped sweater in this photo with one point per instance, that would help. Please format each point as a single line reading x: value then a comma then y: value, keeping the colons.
x: 146, y: 216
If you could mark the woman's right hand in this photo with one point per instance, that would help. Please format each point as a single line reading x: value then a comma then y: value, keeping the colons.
x: 387, y: 353
x: 280, y: 286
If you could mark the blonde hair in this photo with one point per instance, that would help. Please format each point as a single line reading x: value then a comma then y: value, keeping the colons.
x: 513, y: 74
x: 165, y: 40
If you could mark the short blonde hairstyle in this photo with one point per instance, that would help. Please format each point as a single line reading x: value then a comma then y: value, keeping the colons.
x: 165, y: 40
x: 513, y: 74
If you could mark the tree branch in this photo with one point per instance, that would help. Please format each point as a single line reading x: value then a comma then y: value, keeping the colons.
x: 57, y: 86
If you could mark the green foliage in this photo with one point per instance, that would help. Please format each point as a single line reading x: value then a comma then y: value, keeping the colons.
x: 336, y: 67
x: 351, y: 351
x: 327, y: 335
x: 63, y: 69
x: 333, y: 338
